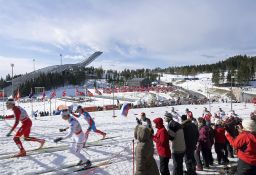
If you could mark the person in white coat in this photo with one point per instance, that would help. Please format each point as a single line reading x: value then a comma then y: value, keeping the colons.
x: 75, y: 131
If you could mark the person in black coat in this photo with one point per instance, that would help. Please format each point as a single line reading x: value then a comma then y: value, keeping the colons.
x: 191, y: 136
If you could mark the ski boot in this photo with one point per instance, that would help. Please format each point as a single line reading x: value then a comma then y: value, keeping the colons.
x: 21, y: 153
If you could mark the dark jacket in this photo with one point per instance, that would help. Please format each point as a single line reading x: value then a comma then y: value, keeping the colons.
x: 191, y: 134
x: 245, y: 143
x: 162, y: 139
x: 145, y: 162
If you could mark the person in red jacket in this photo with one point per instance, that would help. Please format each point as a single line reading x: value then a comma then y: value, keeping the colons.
x: 162, y: 145
x: 245, y: 143
x: 189, y: 114
x: 220, y: 142
x: 21, y: 115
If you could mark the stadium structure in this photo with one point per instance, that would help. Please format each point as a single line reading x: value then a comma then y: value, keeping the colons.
x: 50, y: 69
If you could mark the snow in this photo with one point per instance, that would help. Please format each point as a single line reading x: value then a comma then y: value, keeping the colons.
x: 118, y: 149
x: 123, y: 127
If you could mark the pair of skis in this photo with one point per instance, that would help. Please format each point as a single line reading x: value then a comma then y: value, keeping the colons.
x: 50, y: 149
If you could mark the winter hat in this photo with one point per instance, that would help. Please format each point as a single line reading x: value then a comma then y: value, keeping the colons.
x: 168, y: 115
x: 184, y: 117
x: 249, y: 125
x: 78, y: 107
x: 143, y: 114
x: 217, y: 122
x: 10, y: 101
x: 65, y: 113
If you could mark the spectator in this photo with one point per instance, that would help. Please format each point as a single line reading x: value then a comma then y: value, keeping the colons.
x: 189, y: 114
x: 191, y: 135
x: 221, y: 114
x: 145, y: 122
x: 203, y: 145
x: 176, y: 115
x: 176, y: 135
x: 220, y: 143
x: 245, y: 143
x: 162, y: 144
x: 207, y: 116
x: 145, y: 162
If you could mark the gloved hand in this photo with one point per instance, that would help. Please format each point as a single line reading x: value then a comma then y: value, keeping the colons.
x: 8, y: 134
x: 1, y: 117
x: 89, y: 128
x: 62, y: 130
x: 138, y: 121
x: 57, y: 139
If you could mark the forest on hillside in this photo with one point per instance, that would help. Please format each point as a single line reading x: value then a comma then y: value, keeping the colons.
x: 241, y: 68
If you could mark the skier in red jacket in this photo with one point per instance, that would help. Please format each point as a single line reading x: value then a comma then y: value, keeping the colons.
x: 162, y: 145
x: 21, y: 115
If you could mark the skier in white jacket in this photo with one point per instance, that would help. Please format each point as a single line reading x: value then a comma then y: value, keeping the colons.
x: 75, y: 131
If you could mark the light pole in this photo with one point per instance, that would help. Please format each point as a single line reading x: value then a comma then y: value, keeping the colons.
x: 60, y: 59
x: 209, y: 97
x: 113, y: 90
x: 34, y: 66
x: 12, y: 65
x: 231, y: 93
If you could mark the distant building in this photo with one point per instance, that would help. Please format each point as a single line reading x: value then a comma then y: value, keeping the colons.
x: 136, y: 82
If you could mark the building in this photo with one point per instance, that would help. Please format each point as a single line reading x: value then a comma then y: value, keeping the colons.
x: 136, y: 82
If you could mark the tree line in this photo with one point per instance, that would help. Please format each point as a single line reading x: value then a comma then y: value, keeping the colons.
x: 240, y: 68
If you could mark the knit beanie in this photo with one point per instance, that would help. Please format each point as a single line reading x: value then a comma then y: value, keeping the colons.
x: 249, y: 125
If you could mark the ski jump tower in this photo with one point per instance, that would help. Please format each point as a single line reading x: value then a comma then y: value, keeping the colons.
x: 51, y: 69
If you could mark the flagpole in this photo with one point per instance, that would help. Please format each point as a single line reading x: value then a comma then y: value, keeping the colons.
x: 3, y: 104
x: 50, y: 106
x: 44, y: 99
x: 85, y: 93
x: 55, y: 103
x: 114, y: 100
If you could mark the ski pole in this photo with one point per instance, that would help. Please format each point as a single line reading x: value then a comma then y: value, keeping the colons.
x: 86, y: 152
x: 133, y: 157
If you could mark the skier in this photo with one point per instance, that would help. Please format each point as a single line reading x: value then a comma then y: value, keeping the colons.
x: 75, y: 131
x: 90, y: 121
x: 21, y: 115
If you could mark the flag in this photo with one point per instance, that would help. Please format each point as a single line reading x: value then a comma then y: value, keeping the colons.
x: 53, y: 94
x: 97, y: 91
x: 78, y: 93
x: 17, y: 96
x: 31, y: 93
x: 64, y: 93
x: 125, y: 108
x: 1, y: 93
x: 89, y: 93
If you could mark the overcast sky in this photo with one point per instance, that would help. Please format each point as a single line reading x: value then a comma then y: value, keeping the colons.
x: 130, y: 33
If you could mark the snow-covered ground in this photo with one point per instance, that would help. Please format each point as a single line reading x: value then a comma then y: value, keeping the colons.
x: 118, y: 149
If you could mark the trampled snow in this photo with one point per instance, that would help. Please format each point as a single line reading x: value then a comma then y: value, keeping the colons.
x: 117, y: 149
